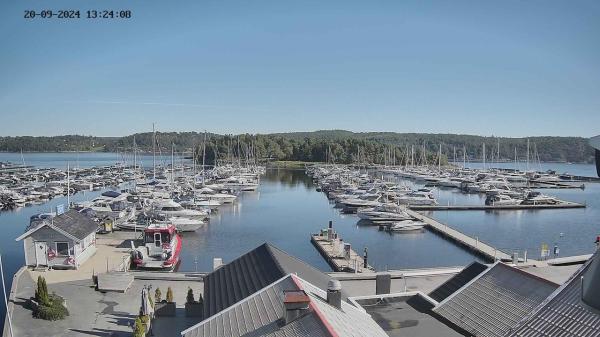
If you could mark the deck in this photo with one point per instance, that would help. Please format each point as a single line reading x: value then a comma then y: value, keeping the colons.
x: 337, y: 262
x: 473, y: 244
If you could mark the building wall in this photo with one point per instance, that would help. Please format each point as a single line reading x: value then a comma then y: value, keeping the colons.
x: 89, y: 248
x: 50, y: 236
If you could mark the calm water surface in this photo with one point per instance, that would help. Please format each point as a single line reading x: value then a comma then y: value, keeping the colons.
x: 286, y: 209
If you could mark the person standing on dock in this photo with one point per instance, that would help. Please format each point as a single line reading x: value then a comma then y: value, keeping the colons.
x: 597, y: 241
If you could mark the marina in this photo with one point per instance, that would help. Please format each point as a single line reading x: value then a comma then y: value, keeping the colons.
x: 283, y: 189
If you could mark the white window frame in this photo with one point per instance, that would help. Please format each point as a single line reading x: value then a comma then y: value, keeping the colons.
x: 58, y: 251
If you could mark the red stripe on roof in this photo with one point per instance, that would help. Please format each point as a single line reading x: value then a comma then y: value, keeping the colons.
x: 328, y: 328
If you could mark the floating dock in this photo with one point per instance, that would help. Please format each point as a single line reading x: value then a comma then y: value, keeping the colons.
x: 563, y: 205
x: 488, y: 252
x: 333, y: 252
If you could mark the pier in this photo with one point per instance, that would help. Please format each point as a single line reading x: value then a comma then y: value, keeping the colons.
x: 563, y: 205
x: 488, y: 252
x: 339, y: 255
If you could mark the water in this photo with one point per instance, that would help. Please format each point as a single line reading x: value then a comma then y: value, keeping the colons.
x: 82, y: 159
x: 286, y: 209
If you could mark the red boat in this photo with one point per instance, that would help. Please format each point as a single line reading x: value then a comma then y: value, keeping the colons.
x: 161, y: 249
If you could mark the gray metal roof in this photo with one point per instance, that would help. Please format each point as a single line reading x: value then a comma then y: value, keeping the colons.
x: 564, y: 313
x: 251, y: 272
x: 76, y: 224
x: 495, y: 301
x: 595, y: 142
x: 457, y: 281
x: 261, y: 313
x: 407, y: 315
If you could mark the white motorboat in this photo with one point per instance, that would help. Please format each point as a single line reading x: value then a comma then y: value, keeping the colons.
x: 417, y: 198
x: 502, y: 200
x: 184, y: 224
x: 170, y: 208
x: 406, y: 226
x: 383, y: 212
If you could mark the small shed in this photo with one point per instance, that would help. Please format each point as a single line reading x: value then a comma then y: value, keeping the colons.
x: 64, y: 241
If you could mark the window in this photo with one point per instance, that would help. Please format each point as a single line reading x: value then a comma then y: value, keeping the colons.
x: 62, y: 248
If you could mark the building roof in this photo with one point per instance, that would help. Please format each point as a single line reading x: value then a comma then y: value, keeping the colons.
x: 595, y: 142
x: 407, y: 315
x: 261, y: 314
x: 457, y: 281
x: 495, y: 301
x: 564, y: 313
x: 72, y: 224
x: 251, y: 272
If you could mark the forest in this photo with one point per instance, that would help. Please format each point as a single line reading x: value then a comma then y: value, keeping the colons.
x: 337, y: 146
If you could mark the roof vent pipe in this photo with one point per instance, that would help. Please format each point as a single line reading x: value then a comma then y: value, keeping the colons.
x: 590, y: 284
x: 334, y: 293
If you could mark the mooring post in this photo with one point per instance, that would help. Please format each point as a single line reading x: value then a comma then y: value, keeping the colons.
x: 330, y: 224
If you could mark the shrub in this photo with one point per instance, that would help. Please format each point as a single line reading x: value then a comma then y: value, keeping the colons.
x: 139, y: 329
x: 157, y: 295
x: 53, y: 310
x: 169, y: 295
x: 41, y: 293
x: 190, y: 296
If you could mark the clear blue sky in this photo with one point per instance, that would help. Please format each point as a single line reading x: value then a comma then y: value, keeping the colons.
x: 508, y: 68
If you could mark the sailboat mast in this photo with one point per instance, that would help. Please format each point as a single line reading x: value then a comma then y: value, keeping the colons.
x: 203, y: 157
x: 484, y: 155
x: 172, y: 162
x: 527, y: 167
x: 68, y: 187
x: 153, y: 152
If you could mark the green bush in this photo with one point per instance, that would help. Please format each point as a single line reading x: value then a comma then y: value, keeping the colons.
x: 41, y: 293
x: 190, y: 296
x: 139, y: 329
x: 53, y: 310
x: 169, y: 295
x: 157, y: 295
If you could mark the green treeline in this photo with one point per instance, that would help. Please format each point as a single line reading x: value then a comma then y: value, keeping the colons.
x: 334, y: 145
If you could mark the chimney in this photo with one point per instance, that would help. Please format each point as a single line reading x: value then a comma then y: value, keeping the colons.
x: 217, y: 263
x: 296, y: 304
x: 334, y: 293
x: 383, y: 283
x: 590, y: 283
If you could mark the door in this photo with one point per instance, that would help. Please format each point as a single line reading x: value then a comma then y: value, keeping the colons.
x: 41, y: 253
x: 157, y: 240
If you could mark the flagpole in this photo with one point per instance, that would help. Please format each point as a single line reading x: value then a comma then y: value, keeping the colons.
x: 5, y: 300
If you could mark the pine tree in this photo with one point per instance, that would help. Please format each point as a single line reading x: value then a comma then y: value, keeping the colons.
x: 157, y: 295
x: 169, y: 295
x: 190, y: 296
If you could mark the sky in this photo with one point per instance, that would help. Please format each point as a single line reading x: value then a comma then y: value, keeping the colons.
x: 505, y: 68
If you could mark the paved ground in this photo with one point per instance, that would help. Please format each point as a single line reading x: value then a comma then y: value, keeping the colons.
x: 93, y: 313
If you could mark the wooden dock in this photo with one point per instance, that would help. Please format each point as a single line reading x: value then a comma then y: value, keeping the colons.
x: 563, y: 205
x: 488, y: 252
x: 332, y: 250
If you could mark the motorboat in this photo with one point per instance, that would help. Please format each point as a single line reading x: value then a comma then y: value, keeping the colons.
x: 170, y: 208
x: 383, y: 212
x: 161, y: 249
x: 502, y: 200
x: 406, y: 226
x: 417, y: 198
x: 537, y: 198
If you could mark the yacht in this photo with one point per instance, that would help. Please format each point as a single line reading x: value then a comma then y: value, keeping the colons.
x: 383, y: 212
x: 406, y: 226
x: 502, y: 200
x: 417, y: 198
x: 170, y: 208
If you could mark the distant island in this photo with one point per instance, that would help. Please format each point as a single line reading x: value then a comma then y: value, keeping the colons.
x: 324, y: 145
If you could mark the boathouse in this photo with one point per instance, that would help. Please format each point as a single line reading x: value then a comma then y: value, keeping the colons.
x: 64, y: 241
